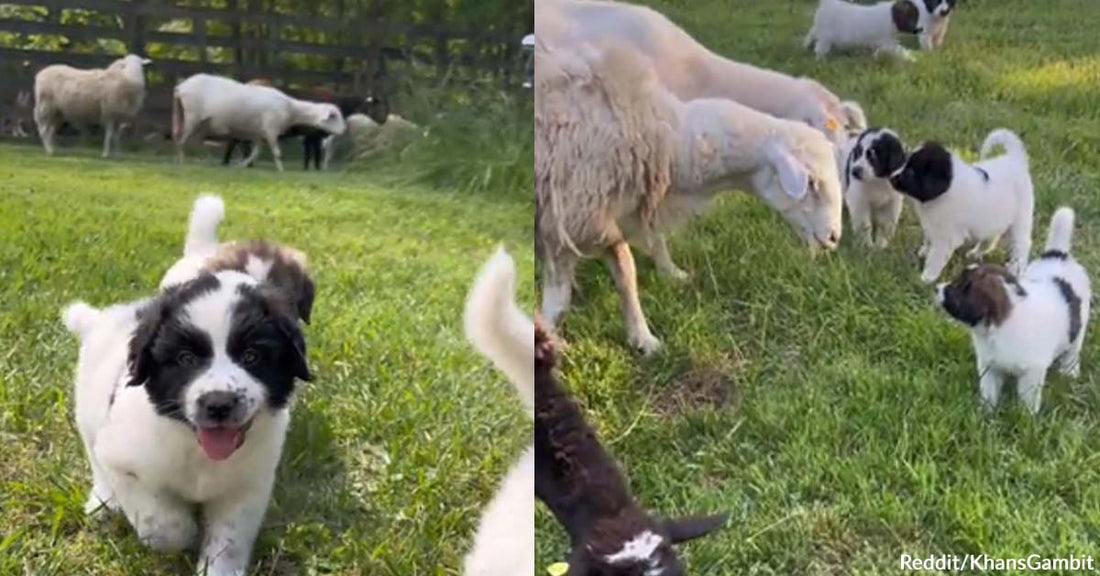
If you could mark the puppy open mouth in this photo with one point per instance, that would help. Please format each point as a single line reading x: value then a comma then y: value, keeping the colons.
x: 220, y: 442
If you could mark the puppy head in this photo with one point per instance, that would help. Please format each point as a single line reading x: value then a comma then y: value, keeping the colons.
x: 927, y: 173
x: 940, y: 8
x: 979, y: 295
x: 638, y: 546
x: 906, y: 17
x: 214, y: 352
x: 878, y: 153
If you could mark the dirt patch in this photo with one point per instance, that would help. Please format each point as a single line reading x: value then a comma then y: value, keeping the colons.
x: 700, y: 388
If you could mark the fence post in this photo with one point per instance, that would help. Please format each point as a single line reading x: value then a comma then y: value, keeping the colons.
x: 135, y: 19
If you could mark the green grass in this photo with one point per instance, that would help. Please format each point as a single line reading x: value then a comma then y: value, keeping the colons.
x: 396, y: 445
x: 826, y: 404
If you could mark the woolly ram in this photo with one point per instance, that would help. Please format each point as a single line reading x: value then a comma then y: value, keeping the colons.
x: 618, y: 158
x: 691, y: 71
x: 219, y: 106
x: 109, y: 97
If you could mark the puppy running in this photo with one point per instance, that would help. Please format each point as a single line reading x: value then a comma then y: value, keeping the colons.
x: 505, y: 541
x: 840, y: 24
x: 1021, y: 327
x: 281, y: 267
x: 182, y: 401
x: 959, y: 203
x: 873, y: 205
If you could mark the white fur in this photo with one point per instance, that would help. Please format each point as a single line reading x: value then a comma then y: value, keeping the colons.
x: 201, y: 242
x: 110, y: 97
x: 973, y: 210
x: 936, y: 31
x: 641, y: 547
x: 505, y: 540
x: 151, y: 467
x: 1036, y: 333
x: 874, y: 207
x: 684, y: 66
x: 223, y: 107
x: 841, y: 24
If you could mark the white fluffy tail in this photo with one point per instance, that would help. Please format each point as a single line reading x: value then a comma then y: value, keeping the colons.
x: 499, y: 329
x: 79, y: 318
x: 1060, y: 235
x: 1008, y: 140
x: 202, y: 233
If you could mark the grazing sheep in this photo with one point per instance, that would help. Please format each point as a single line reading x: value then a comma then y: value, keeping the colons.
x: 505, y: 540
x: 226, y: 108
x: 14, y: 116
x: 618, y: 158
x: 110, y: 97
x: 609, y: 533
x: 317, y: 144
x: 687, y: 68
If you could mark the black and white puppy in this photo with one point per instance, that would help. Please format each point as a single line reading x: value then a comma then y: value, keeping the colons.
x: 841, y: 24
x: 278, y: 266
x: 182, y: 400
x: 1020, y: 328
x: 873, y: 205
x: 959, y: 203
x: 939, y: 16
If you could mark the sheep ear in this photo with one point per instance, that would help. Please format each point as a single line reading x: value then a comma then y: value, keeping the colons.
x: 792, y: 175
x: 853, y: 112
x: 692, y: 527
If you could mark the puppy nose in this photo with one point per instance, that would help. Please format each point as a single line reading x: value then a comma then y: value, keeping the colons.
x: 857, y: 173
x: 218, y: 406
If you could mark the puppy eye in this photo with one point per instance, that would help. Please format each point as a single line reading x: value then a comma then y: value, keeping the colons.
x: 250, y: 357
x: 187, y: 359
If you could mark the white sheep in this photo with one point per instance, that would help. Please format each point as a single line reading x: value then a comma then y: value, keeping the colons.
x: 222, y: 107
x: 687, y: 68
x: 110, y: 97
x: 618, y: 158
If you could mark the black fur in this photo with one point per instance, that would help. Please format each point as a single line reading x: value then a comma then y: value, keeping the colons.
x: 167, y: 352
x: 588, y: 494
x: 1073, y: 301
x: 985, y: 175
x: 927, y: 174
x: 885, y: 155
x: 1054, y: 255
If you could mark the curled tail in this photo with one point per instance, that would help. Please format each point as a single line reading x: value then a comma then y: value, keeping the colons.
x: 1008, y: 140
x: 498, y: 328
x: 79, y: 318
x: 1060, y: 235
x: 202, y: 232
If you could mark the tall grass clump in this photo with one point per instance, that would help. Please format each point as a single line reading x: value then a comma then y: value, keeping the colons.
x: 471, y: 139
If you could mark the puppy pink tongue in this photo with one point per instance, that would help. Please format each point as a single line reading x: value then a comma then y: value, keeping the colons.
x: 219, y: 443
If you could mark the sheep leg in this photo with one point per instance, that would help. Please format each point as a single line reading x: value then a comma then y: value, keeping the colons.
x: 108, y: 133
x: 621, y: 263
x: 47, y: 131
x: 657, y: 248
x: 329, y: 147
x: 253, y: 152
x: 229, y: 148
x: 276, y: 152
x: 557, y: 286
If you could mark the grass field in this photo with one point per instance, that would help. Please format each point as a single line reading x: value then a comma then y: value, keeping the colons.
x: 394, y: 447
x: 827, y: 404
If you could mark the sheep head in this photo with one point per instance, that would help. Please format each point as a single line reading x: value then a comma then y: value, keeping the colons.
x: 327, y: 117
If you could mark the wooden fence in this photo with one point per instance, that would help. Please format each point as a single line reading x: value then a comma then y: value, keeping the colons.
x: 354, y: 51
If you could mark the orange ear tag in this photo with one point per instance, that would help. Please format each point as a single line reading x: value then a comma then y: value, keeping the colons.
x: 832, y: 125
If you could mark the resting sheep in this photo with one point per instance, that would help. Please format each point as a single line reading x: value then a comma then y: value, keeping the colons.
x: 109, y: 97
x: 687, y: 68
x: 618, y: 158
x: 229, y: 109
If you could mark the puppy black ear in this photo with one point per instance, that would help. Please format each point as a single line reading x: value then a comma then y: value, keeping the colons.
x: 299, y: 364
x: 140, y: 356
x: 305, y: 300
x: 692, y: 527
x: 906, y: 16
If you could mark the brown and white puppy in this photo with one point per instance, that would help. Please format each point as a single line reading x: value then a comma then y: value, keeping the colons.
x: 1020, y: 327
x: 281, y: 267
x: 841, y: 24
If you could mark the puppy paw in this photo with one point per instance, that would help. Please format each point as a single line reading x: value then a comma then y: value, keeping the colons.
x: 97, y: 506
x: 929, y: 277
x: 169, y: 534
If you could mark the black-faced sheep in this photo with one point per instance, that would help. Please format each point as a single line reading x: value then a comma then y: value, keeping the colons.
x: 610, y: 534
x: 108, y: 97
x: 226, y: 108
x: 686, y: 67
x: 618, y: 158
